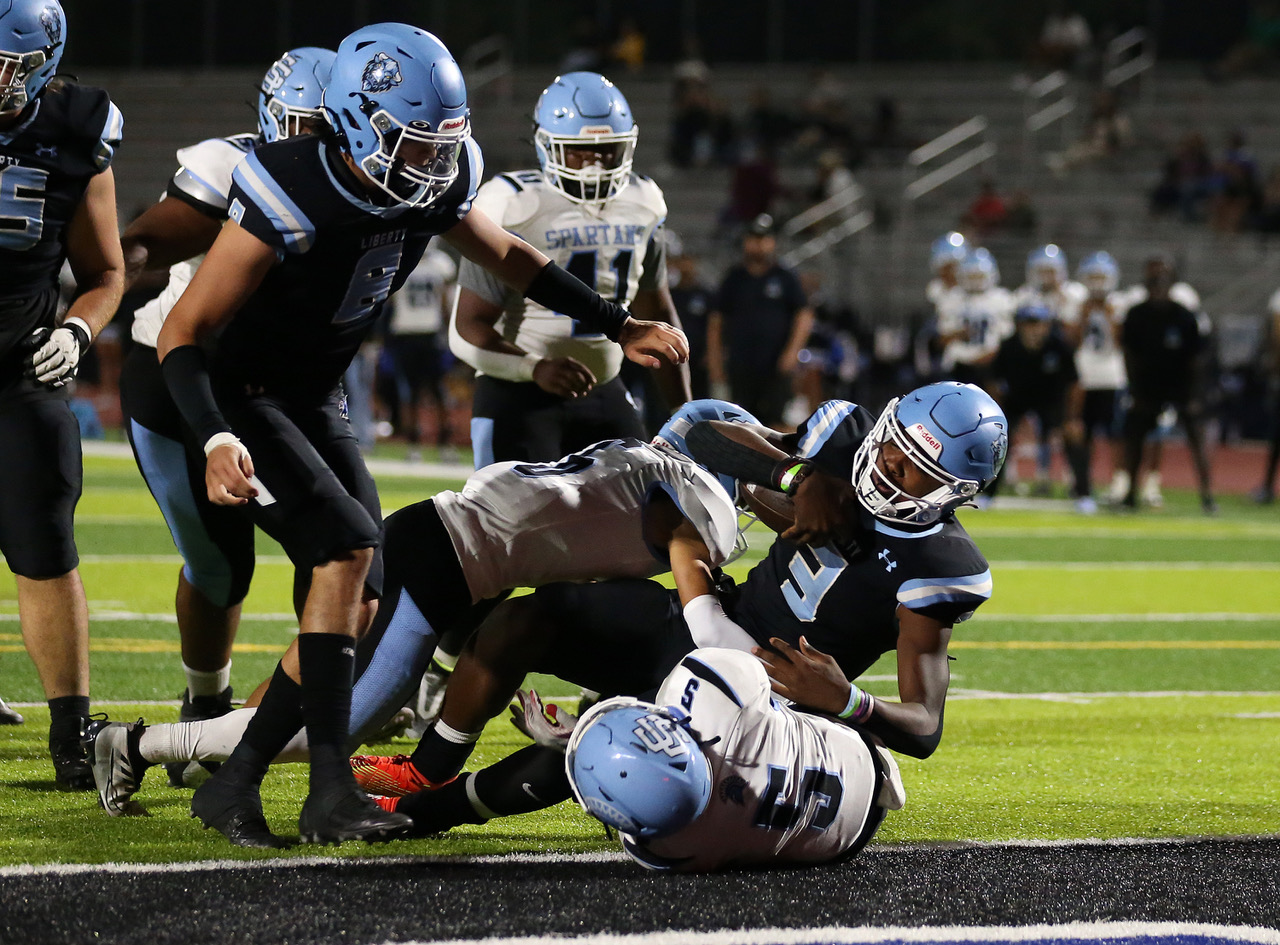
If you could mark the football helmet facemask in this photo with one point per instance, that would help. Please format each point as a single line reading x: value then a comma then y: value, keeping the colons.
x: 397, y: 98
x: 953, y: 432
x: 585, y: 111
x: 291, y: 92
x: 32, y: 37
x: 636, y: 767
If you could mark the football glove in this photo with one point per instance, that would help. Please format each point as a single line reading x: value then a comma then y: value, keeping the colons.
x: 550, y: 726
x: 55, y: 354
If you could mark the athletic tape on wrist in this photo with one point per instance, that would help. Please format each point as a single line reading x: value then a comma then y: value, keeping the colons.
x: 223, y: 439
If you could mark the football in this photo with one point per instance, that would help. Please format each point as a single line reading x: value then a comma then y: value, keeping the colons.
x: 772, y: 508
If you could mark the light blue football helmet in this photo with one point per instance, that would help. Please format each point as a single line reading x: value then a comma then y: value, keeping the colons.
x: 978, y: 271
x: 949, y: 248
x: 292, y: 91
x: 1099, y: 273
x: 636, y: 767
x: 398, y: 100
x: 33, y: 35
x: 674, y: 430
x: 1033, y: 312
x: 1043, y: 261
x: 954, y: 432
x: 585, y: 110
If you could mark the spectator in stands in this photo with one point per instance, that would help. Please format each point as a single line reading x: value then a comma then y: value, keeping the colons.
x: 988, y: 212
x: 628, y: 49
x: 761, y: 322
x: 764, y: 122
x: 886, y: 134
x: 1164, y: 352
x: 1020, y: 213
x: 1185, y: 180
x: 694, y: 301
x: 754, y: 186
x: 826, y: 122
x: 1236, y: 187
x: 1107, y: 132
x: 701, y: 130
x: 1065, y: 39
x: 1266, y: 493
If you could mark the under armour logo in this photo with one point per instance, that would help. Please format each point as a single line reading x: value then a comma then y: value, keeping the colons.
x: 49, y: 151
x: 889, y: 563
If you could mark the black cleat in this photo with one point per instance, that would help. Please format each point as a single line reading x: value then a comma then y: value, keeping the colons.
x: 8, y: 716
x: 71, y: 768
x: 198, y: 709
x: 234, y: 809
x: 347, y: 813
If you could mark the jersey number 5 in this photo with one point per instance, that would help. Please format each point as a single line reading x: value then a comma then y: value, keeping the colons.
x: 21, y: 206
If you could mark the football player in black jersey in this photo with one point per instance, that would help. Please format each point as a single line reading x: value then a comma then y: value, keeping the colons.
x: 321, y: 230
x: 57, y: 202
x: 216, y: 542
x: 818, y: 612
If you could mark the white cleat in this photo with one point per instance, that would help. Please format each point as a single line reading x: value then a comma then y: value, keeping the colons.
x: 118, y: 765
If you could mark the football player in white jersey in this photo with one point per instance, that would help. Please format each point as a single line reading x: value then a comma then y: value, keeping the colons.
x: 620, y: 508
x: 216, y: 543
x: 718, y: 772
x: 945, y: 256
x: 1048, y: 285
x: 972, y: 323
x: 1099, y: 360
x: 544, y: 387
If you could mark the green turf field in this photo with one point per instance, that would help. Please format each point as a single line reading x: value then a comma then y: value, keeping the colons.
x: 1124, y: 681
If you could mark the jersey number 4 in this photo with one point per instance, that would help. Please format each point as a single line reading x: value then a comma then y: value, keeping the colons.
x: 810, y: 580
x: 21, y: 206
x: 584, y: 267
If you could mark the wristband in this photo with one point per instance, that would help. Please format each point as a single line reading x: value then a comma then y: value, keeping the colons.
x: 788, y: 474
x: 860, y: 705
x: 80, y: 328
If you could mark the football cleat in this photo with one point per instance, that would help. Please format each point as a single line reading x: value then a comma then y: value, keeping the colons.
x: 346, y: 813
x: 389, y: 804
x: 199, y: 709
x: 8, y: 716
x: 117, y: 762
x: 234, y: 809
x: 70, y: 764
x: 393, y: 776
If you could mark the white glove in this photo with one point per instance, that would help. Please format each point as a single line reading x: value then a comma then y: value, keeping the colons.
x: 57, y: 357
x: 550, y: 726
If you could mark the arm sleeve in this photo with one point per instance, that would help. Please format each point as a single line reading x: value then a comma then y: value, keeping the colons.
x: 187, y: 377
x: 556, y: 289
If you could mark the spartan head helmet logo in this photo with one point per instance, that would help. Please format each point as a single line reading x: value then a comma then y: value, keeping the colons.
x: 51, y: 20
x: 380, y: 74
x: 999, y: 447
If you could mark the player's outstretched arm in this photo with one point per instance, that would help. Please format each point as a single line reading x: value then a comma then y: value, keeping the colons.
x: 166, y: 233
x: 523, y: 267
x: 236, y: 265
x: 691, y: 567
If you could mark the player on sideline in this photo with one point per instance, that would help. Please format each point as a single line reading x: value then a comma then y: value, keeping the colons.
x: 216, y: 542
x: 321, y: 230
x: 824, y: 604
x: 621, y: 507
x: 717, y: 773
x: 58, y: 197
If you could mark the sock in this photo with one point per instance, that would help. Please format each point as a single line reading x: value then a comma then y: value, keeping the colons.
x: 202, y: 683
x: 65, y: 713
x: 211, y: 740
x: 443, y: 751
x: 442, y: 809
x: 528, y: 780
x: 446, y: 661
x: 327, y: 661
x: 277, y: 720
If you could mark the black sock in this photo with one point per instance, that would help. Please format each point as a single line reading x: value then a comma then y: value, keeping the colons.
x: 65, y: 713
x: 277, y: 719
x: 442, y: 809
x: 528, y: 780
x: 327, y: 661
x: 437, y: 758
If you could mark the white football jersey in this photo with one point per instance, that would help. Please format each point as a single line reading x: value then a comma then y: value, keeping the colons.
x: 786, y: 786
x: 527, y: 524
x: 987, y: 315
x: 937, y: 290
x: 1064, y: 301
x: 418, y: 307
x: 1099, y: 359
x: 612, y: 250
x: 204, y: 177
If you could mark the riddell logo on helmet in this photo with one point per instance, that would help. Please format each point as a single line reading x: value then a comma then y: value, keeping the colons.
x: 925, y: 439
x: 452, y: 124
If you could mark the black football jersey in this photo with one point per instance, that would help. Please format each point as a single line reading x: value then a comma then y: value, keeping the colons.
x: 340, y: 255
x: 843, y: 600
x: 46, y: 162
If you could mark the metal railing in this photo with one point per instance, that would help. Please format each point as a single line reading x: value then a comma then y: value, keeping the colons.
x: 1044, y: 102
x: 1127, y: 56
x: 917, y: 182
x: 836, y: 219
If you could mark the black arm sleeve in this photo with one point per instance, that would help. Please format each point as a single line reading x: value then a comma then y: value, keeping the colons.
x: 556, y: 289
x: 723, y: 454
x: 187, y: 377
x: 895, y: 739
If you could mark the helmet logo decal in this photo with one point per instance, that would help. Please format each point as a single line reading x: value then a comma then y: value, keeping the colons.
x: 380, y: 74
x: 998, y: 448
x: 655, y: 734
x: 52, y: 23
x: 279, y: 71
x: 452, y: 124
x: 926, y: 439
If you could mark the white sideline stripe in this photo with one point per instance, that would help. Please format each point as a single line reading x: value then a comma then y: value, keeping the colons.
x: 1133, y: 618
x: 110, y: 616
x: 72, y: 869
x: 1136, y: 565
x: 165, y: 559
x: 844, y: 935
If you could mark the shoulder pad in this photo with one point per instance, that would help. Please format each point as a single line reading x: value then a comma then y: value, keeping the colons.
x: 506, y: 204
x: 735, y: 673
x: 89, y: 118
x: 205, y: 171
x: 647, y: 194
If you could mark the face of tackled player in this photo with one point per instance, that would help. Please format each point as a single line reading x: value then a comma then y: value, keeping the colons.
x: 897, y: 475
